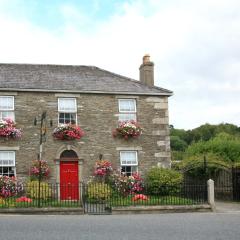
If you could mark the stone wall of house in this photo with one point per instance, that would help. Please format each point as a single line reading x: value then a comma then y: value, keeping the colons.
x: 98, y: 116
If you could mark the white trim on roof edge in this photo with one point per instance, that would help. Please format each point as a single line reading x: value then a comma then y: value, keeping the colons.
x: 82, y: 91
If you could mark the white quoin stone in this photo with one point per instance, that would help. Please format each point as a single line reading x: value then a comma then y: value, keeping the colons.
x: 164, y: 164
x: 161, y: 143
x: 160, y: 133
x: 162, y: 154
x: 163, y: 105
x: 156, y: 99
x: 160, y: 121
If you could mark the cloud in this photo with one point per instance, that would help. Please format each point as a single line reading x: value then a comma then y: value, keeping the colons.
x: 195, y: 46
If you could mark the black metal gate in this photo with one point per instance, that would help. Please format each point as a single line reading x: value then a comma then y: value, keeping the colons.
x: 96, y: 200
x: 226, y: 180
x: 227, y: 184
x: 236, y: 184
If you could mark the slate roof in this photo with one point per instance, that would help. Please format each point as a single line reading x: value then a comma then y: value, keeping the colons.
x: 70, y: 78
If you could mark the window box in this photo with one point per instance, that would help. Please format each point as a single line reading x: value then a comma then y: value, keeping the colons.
x: 67, y: 132
x: 128, y: 129
x: 8, y: 129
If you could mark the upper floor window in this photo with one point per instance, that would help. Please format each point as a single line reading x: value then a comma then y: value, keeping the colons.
x: 129, y: 162
x: 127, y: 109
x: 7, y: 163
x: 67, y: 110
x: 7, y: 107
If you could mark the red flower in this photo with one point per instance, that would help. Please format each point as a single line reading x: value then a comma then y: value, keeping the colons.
x: 24, y: 199
x: 140, y: 197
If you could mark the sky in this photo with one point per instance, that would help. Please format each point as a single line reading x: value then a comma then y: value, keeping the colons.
x: 195, y: 46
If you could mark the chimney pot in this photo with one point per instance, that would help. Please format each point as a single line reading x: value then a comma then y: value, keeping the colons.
x: 146, y: 58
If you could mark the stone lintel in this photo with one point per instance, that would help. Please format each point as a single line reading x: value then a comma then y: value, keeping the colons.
x: 138, y: 148
x: 8, y: 93
x: 9, y: 148
x: 126, y: 96
x: 68, y: 95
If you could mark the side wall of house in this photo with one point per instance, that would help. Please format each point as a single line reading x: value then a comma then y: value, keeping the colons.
x: 98, y: 116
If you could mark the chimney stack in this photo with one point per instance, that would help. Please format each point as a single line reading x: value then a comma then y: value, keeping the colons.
x: 147, y: 71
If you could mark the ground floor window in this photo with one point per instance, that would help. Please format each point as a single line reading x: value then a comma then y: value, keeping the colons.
x: 7, y: 163
x: 129, y: 162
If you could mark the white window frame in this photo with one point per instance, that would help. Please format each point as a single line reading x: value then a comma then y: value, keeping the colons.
x: 13, y: 166
x: 129, y: 164
x: 126, y: 112
x: 8, y: 110
x: 70, y: 112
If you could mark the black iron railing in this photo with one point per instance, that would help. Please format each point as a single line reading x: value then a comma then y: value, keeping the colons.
x: 96, y: 196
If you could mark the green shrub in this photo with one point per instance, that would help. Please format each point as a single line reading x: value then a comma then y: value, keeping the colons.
x: 161, y: 181
x: 98, y: 191
x: 33, y: 190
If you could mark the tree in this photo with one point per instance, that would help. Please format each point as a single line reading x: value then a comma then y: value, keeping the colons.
x: 223, y: 145
x: 177, y: 144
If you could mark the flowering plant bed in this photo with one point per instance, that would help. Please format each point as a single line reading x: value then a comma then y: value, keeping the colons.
x: 39, y: 169
x: 8, y: 129
x: 24, y: 199
x: 128, y: 129
x: 67, y: 132
x: 126, y: 185
x: 9, y: 186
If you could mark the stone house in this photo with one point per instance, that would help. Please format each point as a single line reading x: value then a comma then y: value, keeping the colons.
x: 96, y: 100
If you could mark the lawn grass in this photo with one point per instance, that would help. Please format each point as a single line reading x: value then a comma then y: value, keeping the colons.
x: 114, y: 200
x: 152, y: 201
x: 11, y: 203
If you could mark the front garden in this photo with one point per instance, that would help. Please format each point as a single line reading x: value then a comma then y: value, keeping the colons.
x: 106, y: 186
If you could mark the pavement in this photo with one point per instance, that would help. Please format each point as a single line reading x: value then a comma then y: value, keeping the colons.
x: 227, y: 207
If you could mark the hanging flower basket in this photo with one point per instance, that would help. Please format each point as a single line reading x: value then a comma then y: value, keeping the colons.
x: 39, y: 169
x: 128, y: 129
x: 67, y: 132
x: 8, y: 129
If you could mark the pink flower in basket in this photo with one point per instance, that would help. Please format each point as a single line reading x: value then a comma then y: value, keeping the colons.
x: 9, y: 130
x: 128, y: 129
x: 67, y: 132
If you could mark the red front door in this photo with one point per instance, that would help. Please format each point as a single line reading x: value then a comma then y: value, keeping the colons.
x: 69, y: 187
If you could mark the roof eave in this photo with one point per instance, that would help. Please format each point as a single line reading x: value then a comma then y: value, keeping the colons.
x: 85, y: 91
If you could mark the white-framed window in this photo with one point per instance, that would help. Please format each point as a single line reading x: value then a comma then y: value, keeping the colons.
x: 7, y: 163
x: 127, y: 109
x: 67, y: 110
x: 128, y: 162
x: 7, y: 107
